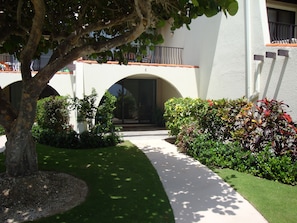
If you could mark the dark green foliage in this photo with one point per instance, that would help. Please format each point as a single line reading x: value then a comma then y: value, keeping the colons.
x: 93, y: 140
x: 64, y: 139
x: 104, y: 116
x: 52, y: 123
x: 52, y: 113
x: 265, y: 164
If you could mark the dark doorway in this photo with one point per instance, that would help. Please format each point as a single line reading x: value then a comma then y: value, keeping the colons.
x: 136, y: 100
x: 13, y: 93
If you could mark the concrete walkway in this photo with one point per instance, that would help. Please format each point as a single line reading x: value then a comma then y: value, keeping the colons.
x: 196, y: 194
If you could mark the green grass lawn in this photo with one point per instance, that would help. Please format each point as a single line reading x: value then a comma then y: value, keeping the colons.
x: 275, y: 201
x: 123, y: 185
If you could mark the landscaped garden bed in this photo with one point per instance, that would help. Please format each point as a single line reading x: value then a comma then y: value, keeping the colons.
x: 260, y: 138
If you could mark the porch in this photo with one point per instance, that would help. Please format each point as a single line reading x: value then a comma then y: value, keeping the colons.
x: 160, y: 55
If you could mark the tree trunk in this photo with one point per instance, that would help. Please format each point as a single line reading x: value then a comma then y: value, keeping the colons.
x: 21, y: 156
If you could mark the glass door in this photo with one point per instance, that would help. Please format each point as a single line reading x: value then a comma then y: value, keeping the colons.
x: 136, y: 100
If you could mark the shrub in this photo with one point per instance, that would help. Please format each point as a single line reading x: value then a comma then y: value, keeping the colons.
x: 105, y: 114
x: 260, y: 139
x: 93, y: 140
x: 265, y: 164
x: 182, y: 111
x: 52, y: 123
x: 214, y: 117
x: 268, y: 126
x: 85, y: 108
x: 52, y: 113
x: 64, y: 139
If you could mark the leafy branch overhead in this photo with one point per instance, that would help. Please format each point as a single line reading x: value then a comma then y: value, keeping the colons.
x: 74, y: 28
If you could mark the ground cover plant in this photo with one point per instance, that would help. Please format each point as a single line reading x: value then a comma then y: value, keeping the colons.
x: 277, y: 202
x: 123, y: 185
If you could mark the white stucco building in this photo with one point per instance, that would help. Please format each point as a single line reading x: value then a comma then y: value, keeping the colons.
x: 252, y: 54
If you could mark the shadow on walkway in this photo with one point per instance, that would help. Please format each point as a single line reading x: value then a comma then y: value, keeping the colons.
x: 196, y: 193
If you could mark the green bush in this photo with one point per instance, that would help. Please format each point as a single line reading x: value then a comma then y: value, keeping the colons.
x: 52, y: 113
x: 260, y: 139
x: 52, y: 126
x: 265, y: 164
x: 254, y: 126
x: 214, y: 117
x: 105, y: 114
x: 93, y: 140
x: 64, y: 139
x: 182, y: 111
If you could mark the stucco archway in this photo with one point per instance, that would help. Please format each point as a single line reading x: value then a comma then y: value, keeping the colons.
x: 141, y: 98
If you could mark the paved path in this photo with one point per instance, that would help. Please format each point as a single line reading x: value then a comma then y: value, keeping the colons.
x: 196, y: 194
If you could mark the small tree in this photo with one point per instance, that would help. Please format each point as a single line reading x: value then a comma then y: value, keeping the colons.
x: 85, y: 108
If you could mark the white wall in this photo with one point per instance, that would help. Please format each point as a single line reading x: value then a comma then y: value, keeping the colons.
x: 102, y: 76
x: 227, y: 66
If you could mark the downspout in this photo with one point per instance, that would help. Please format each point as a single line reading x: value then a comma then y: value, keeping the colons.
x: 248, y: 51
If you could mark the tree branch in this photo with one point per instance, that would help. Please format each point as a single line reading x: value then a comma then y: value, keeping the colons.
x: 69, y: 53
x: 34, y: 38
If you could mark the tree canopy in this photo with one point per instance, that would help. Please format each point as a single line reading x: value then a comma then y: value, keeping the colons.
x: 71, y: 29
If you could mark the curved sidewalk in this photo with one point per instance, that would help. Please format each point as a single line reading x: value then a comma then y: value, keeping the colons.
x: 196, y: 194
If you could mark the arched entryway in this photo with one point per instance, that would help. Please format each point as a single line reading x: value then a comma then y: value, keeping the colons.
x: 136, y: 100
x: 13, y: 93
x: 140, y: 100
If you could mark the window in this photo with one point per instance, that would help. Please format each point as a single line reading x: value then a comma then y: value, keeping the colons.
x: 282, y: 20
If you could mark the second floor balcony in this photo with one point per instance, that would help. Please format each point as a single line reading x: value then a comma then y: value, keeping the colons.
x: 160, y: 55
x: 283, y: 33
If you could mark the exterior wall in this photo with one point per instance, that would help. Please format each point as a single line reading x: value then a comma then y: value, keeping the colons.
x: 172, y: 80
x: 102, y: 76
x: 7, y: 78
x: 64, y: 84
x: 224, y: 49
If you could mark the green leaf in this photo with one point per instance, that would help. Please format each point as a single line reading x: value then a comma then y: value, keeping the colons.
x: 161, y: 23
x: 195, y: 3
x: 233, y: 8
